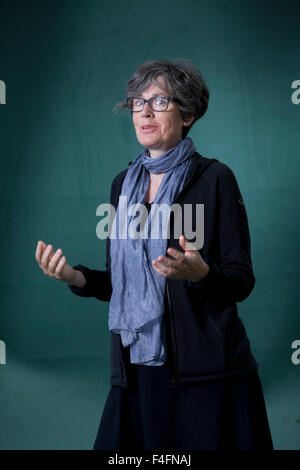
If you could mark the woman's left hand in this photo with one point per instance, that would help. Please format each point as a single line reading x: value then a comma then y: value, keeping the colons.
x: 188, y: 265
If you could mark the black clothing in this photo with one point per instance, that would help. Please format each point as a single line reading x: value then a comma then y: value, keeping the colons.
x: 208, y: 394
x: 227, y: 414
x: 208, y: 338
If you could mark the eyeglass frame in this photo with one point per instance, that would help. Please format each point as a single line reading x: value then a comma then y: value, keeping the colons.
x: 168, y: 98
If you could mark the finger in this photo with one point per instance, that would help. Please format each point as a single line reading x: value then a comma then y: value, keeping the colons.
x: 170, y: 262
x: 182, y: 241
x: 38, y: 252
x: 46, y: 255
x: 176, y: 254
x: 54, y: 260
x: 163, y: 268
x: 60, y: 266
x: 159, y: 269
x: 166, y: 272
x: 187, y: 246
x: 44, y: 246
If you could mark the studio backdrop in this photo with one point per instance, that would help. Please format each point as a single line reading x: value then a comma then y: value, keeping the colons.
x: 63, y: 67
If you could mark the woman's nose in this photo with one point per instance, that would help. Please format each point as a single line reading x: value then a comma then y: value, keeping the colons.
x: 147, y: 111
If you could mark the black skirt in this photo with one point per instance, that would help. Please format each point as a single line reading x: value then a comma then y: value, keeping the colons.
x: 228, y: 414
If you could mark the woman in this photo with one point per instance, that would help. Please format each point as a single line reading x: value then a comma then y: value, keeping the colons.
x: 182, y: 372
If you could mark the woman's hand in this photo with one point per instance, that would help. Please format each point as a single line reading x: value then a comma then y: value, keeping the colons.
x: 55, y: 265
x: 188, y: 265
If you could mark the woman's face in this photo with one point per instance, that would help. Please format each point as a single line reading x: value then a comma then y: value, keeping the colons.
x: 167, y: 125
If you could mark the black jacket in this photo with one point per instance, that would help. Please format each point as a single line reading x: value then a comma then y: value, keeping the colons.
x: 208, y: 338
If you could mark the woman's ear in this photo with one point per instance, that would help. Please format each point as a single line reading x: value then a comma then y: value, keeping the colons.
x: 188, y: 121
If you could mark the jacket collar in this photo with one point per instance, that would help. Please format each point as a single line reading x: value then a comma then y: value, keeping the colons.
x: 198, y: 166
x: 199, y: 163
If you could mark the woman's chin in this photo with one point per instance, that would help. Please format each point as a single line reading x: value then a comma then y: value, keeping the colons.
x: 148, y: 141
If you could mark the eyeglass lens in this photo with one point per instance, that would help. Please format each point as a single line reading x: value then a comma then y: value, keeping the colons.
x: 157, y: 103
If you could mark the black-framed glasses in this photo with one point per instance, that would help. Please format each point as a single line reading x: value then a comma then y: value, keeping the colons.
x: 156, y: 103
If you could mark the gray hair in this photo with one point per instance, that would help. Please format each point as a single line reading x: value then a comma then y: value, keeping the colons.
x: 182, y: 80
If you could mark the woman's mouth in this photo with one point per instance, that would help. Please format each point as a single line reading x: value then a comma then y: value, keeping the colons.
x: 148, y: 129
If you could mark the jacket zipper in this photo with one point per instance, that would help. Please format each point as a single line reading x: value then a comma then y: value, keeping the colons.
x: 123, y: 368
x: 175, y: 379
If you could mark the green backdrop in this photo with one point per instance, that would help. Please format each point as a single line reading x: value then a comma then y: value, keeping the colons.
x: 65, y: 64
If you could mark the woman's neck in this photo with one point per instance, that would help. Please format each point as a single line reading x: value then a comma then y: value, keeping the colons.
x: 154, y: 153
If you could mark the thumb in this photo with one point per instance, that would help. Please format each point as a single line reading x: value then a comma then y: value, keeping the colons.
x: 185, y: 246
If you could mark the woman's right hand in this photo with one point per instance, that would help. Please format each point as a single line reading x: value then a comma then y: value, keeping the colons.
x: 54, y: 264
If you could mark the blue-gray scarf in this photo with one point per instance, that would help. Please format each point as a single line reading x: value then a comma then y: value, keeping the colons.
x: 137, y: 301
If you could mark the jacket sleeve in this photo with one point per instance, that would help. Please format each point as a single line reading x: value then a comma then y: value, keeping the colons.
x: 98, y: 283
x: 230, y: 277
